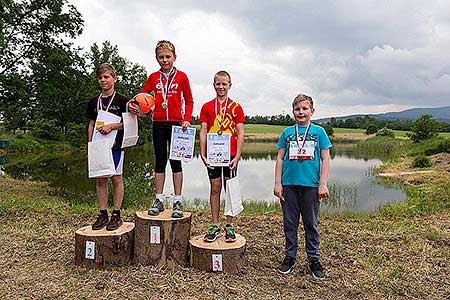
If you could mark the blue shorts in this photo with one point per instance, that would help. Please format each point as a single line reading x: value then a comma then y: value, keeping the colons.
x: 118, y: 157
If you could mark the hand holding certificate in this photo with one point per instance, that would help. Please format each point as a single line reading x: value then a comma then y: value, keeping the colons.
x: 182, y: 143
x: 218, y: 149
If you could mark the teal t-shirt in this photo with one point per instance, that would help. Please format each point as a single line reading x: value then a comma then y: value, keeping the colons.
x: 303, y: 172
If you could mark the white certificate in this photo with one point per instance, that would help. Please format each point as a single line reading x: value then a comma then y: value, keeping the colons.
x: 130, y: 130
x: 218, y: 149
x: 182, y: 143
x: 105, y: 118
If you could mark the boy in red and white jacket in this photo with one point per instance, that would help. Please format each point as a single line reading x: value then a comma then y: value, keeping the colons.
x: 174, y: 105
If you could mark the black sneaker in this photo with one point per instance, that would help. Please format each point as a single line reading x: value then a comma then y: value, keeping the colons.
x: 287, y: 265
x: 101, y: 222
x: 230, y: 236
x: 177, y: 210
x: 211, y: 235
x: 316, y: 268
x: 114, y: 223
x: 157, y: 208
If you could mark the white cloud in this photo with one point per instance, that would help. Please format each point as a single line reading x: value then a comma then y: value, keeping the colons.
x: 351, y: 56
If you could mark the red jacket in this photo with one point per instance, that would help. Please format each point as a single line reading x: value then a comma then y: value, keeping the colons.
x: 179, y: 90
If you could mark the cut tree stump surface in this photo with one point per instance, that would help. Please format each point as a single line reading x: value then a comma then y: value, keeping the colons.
x: 232, y: 254
x: 112, y: 248
x: 170, y: 244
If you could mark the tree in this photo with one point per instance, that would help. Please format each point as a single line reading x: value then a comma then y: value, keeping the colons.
x: 423, y: 128
x: 371, y: 128
x: 131, y: 76
x: 29, y: 25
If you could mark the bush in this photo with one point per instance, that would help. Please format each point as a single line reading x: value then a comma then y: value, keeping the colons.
x: 76, y: 134
x: 421, y: 161
x: 138, y: 185
x: 328, y: 129
x: 386, y: 132
x: 371, y: 129
x: 424, y: 128
x: 46, y: 129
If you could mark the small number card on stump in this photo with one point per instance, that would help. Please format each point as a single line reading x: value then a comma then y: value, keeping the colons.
x: 218, y: 256
x: 162, y: 240
x: 100, y: 248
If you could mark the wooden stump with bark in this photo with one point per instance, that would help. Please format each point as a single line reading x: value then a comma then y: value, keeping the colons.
x: 218, y: 256
x: 162, y: 240
x: 100, y: 248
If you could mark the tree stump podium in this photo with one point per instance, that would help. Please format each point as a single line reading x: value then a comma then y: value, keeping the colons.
x: 100, y: 248
x: 162, y: 240
x: 218, y: 256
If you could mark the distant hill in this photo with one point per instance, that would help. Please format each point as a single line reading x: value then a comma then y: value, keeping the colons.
x: 441, y: 114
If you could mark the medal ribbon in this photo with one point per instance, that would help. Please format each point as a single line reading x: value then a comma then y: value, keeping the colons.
x: 304, y: 136
x: 100, y: 102
x: 169, y: 80
x: 222, y: 116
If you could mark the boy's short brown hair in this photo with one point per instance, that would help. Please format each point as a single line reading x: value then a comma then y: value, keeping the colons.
x: 302, y: 97
x: 165, y: 45
x: 222, y: 73
x: 105, y: 67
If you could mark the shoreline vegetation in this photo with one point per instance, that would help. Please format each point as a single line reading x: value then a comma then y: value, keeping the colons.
x: 401, y: 252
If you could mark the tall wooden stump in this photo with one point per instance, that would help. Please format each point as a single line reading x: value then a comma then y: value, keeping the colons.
x: 218, y: 256
x: 162, y: 240
x: 100, y: 248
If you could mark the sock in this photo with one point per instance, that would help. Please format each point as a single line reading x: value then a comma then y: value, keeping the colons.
x: 116, y: 212
x: 104, y: 212
x: 177, y: 198
x: 160, y: 197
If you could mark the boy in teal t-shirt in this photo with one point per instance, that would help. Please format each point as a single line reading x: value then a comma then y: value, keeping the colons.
x: 301, y: 175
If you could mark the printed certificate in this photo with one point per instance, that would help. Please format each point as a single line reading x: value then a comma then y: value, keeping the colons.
x: 182, y: 143
x: 218, y: 149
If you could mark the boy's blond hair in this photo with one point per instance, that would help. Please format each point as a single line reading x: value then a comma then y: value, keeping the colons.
x: 105, y: 67
x: 223, y: 73
x: 165, y: 45
x: 302, y: 97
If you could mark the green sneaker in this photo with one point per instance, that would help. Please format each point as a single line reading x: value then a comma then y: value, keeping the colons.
x: 211, y: 235
x: 230, y: 236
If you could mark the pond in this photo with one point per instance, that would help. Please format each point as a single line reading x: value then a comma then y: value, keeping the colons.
x: 352, y: 186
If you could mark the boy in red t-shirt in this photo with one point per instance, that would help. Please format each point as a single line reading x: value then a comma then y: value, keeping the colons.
x: 174, y: 106
x: 221, y: 115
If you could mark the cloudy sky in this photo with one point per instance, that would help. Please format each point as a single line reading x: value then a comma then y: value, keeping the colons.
x: 351, y: 56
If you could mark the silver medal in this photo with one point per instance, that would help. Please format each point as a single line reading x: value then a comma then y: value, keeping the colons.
x: 219, y: 132
x: 164, y: 105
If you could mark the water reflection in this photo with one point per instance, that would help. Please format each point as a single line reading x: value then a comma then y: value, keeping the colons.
x: 351, y: 184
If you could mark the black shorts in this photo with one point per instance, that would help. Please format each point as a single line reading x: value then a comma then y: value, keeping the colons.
x: 217, y: 172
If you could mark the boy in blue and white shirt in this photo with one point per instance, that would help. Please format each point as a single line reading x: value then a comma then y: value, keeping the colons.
x: 301, y: 175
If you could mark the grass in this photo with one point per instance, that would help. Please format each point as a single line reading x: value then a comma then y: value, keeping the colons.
x: 376, y: 256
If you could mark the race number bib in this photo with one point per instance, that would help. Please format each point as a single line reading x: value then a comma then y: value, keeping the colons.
x: 304, y: 153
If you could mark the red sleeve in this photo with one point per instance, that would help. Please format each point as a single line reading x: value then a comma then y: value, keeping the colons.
x: 240, y: 116
x: 203, y: 118
x: 188, y: 100
x: 148, y: 86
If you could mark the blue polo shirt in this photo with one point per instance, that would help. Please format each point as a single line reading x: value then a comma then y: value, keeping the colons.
x: 303, y: 172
